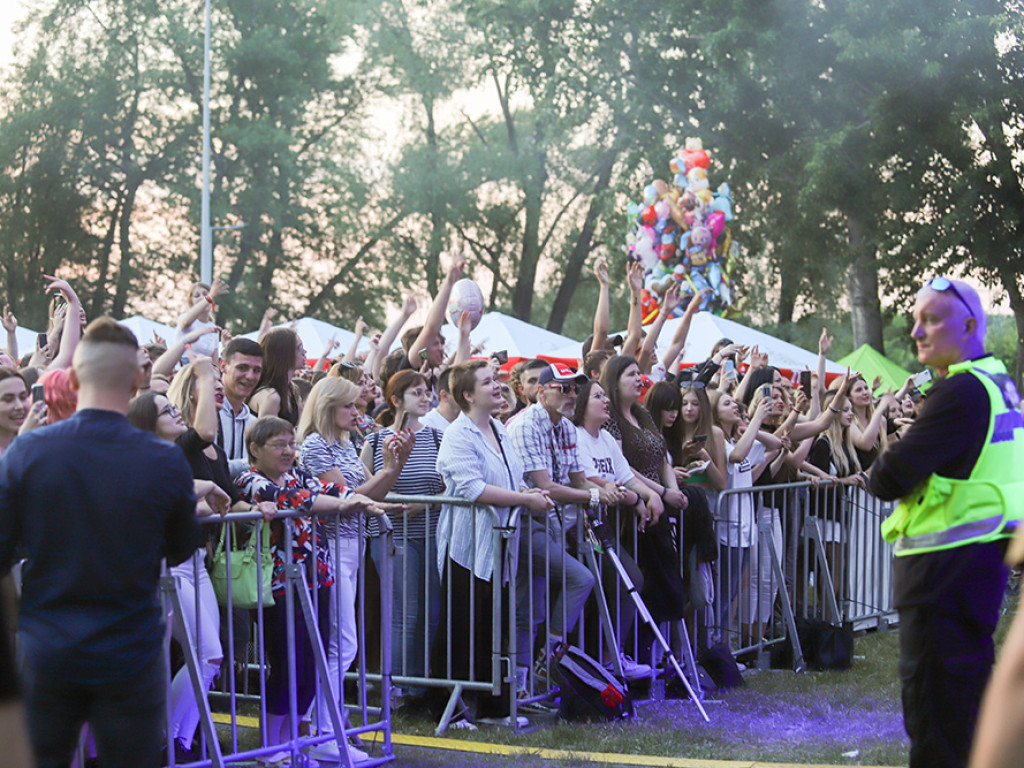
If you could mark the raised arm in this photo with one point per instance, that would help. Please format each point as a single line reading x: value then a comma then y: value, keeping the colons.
x: 634, y: 329
x: 462, y: 350
x: 668, y: 306
x: 350, y: 356
x: 267, y: 321
x: 72, y: 323
x: 745, y: 443
x: 10, y: 323
x: 165, y: 364
x: 192, y: 313
x: 602, y: 315
x: 435, y: 315
x: 679, y: 338
x: 391, y: 333
x: 206, y: 419
x: 864, y: 439
x: 321, y: 364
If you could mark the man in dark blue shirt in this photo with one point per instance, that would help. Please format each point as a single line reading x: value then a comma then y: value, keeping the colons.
x: 93, y: 504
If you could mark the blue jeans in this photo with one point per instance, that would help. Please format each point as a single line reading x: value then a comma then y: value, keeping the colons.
x: 126, y: 716
x: 416, y: 595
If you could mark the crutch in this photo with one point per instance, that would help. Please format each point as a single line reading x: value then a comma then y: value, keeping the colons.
x: 600, y: 542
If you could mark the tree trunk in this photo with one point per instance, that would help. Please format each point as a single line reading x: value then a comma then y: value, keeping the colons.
x: 788, y: 285
x: 1008, y: 277
x: 125, y: 270
x: 437, y: 228
x: 580, y: 251
x: 862, y: 283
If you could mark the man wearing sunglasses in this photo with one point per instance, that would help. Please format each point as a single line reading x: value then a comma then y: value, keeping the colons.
x: 545, y: 439
x: 957, y: 473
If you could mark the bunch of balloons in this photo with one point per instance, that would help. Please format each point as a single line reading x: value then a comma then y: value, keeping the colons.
x: 680, y: 234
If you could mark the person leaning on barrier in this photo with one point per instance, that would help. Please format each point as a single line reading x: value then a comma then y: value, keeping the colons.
x: 957, y: 474
x: 327, y: 452
x: 478, y: 464
x: 545, y: 440
x: 415, y: 584
x: 603, y: 464
x: 95, y: 504
x: 274, y: 478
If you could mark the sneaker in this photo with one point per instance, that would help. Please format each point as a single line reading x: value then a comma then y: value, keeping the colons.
x: 521, y: 722
x: 631, y: 670
x: 275, y: 759
x: 540, y: 708
x: 462, y: 724
x: 328, y: 752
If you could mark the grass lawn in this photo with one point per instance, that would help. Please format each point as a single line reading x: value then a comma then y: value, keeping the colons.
x: 779, y: 716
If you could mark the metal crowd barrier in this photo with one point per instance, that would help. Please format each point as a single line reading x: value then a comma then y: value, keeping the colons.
x: 243, y: 685
x: 796, y: 550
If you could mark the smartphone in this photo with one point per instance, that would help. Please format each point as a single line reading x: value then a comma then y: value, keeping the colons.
x: 405, y: 422
x: 41, y: 340
x: 922, y: 378
x: 729, y: 366
x: 501, y: 357
x: 700, y: 438
x: 38, y: 394
x: 766, y: 391
x: 805, y: 383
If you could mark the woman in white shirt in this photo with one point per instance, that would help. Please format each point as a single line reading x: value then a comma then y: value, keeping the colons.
x: 477, y: 463
x: 603, y: 462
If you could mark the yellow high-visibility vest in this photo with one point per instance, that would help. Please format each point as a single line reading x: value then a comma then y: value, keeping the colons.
x: 943, y: 512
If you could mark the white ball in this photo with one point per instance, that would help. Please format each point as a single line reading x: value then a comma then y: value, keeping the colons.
x: 466, y: 297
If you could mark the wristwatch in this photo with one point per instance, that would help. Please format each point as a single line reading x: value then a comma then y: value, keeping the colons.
x: 595, y: 498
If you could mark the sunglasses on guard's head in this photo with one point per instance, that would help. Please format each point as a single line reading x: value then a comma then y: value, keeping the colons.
x: 944, y: 285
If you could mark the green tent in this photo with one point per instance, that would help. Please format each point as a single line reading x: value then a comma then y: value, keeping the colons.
x: 868, y: 361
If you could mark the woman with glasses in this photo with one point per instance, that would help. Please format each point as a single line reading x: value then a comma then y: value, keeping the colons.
x: 416, y: 584
x: 327, y: 453
x: 274, y: 478
x: 274, y: 395
x: 188, y: 417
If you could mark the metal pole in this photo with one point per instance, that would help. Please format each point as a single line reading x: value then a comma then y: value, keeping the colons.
x: 205, y: 233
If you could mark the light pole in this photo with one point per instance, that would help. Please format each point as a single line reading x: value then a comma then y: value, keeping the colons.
x: 205, y: 232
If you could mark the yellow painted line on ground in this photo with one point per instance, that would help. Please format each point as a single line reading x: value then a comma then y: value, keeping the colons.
x: 510, y: 750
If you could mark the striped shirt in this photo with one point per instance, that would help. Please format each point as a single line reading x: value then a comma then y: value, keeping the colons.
x: 419, y: 477
x: 317, y: 456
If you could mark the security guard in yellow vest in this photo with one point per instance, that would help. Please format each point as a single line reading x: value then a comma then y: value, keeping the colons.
x: 959, y: 475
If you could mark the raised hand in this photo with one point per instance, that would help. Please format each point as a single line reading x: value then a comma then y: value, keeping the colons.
x: 825, y: 342
x: 9, y: 321
x: 601, y: 271
x: 219, y: 288
x: 635, y: 276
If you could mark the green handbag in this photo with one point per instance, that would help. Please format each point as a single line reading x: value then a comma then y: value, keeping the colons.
x: 246, y: 573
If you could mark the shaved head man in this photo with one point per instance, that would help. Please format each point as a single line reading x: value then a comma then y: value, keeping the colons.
x: 957, y: 475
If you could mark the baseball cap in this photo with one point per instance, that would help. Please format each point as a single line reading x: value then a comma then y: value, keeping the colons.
x: 559, y: 373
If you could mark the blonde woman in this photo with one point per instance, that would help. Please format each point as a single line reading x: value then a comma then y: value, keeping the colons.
x: 326, y: 451
x: 868, y: 428
x: 199, y: 315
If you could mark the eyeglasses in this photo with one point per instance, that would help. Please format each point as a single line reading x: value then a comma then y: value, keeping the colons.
x: 691, y: 384
x: 566, y: 389
x: 942, y: 284
x: 280, y: 445
x: 169, y: 410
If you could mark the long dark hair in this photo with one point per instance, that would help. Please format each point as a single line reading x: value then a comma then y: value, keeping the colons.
x: 613, y: 370
x: 663, y: 397
x: 582, y: 398
x: 758, y: 378
x: 279, y: 345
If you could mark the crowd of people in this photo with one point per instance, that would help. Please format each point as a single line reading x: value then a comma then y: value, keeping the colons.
x: 256, y: 427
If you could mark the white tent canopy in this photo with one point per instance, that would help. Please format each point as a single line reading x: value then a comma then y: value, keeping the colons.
x: 705, y: 331
x: 315, y: 335
x: 147, y: 330
x: 497, y: 332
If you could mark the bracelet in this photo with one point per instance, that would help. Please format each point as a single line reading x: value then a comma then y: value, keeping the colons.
x: 664, y: 490
x: 833, y: 409
x: 209, y: 298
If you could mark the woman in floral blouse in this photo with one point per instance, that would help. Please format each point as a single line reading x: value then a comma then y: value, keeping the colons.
x: 274, y: 478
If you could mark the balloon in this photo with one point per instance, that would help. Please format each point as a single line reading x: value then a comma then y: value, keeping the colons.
x: 466, y: 296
